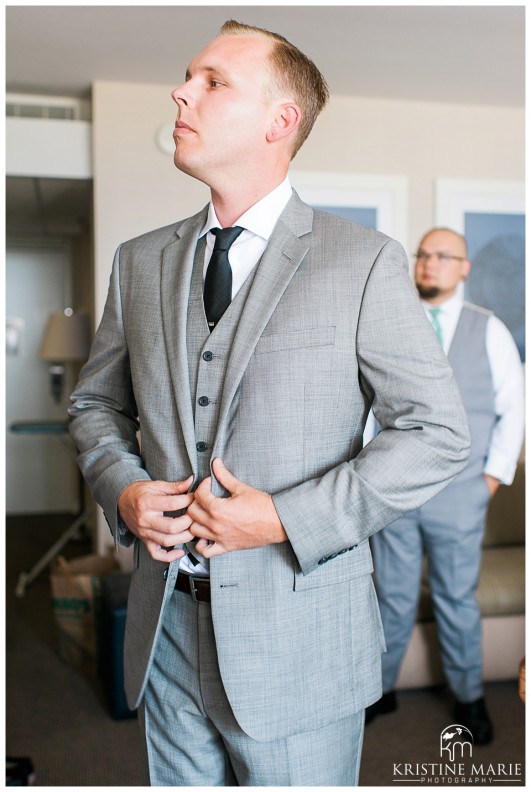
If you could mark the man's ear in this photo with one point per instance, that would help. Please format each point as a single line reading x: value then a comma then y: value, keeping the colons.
x: 465, y: 269
x: 286, y: 121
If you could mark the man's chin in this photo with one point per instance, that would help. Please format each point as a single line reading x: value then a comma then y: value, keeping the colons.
x: 428, y: 292
x: 179, y: 163
x: 182, y: 158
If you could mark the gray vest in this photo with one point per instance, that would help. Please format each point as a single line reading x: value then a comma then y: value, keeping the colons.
x: 208, y: 354
x: 470, y: 364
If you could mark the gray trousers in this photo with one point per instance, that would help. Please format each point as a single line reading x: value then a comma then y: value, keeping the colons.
x: 449, y: 532
x: 193, y: 739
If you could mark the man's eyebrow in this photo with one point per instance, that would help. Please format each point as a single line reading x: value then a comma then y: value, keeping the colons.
x: 216, y: 70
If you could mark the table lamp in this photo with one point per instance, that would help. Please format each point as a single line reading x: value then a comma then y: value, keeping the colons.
x: 66, y: 338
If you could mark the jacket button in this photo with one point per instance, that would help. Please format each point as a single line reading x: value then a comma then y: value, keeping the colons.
x: 207, y: 356
x: 201, y: 446
x: 165, y: 574
x: 204, y: 401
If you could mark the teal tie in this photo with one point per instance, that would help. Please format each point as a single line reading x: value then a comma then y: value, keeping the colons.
x: 434, y: 318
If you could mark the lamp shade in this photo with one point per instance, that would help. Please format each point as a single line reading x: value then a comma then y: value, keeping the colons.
x: 66, y: 337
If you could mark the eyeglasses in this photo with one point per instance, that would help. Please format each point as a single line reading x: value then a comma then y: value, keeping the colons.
x: 442, y: 258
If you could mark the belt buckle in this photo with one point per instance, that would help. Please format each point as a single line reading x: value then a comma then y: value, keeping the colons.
x: 193, y: 590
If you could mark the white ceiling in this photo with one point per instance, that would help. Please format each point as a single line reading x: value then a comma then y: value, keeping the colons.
x: 472, y: 54
x: 456, y: 54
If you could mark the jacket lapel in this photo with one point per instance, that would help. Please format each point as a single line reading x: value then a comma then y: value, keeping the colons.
x: 176, y: 275
x: 283, y: 255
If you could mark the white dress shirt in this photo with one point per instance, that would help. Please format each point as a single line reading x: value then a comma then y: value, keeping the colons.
x: 508, y: 384
x: 258, y: 223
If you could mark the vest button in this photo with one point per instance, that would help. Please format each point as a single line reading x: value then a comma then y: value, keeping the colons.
x: 207, y: 356
x: 204, y: 401
x: 201, y: 446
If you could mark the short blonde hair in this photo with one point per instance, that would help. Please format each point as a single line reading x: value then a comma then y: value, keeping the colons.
x: 293, y: 72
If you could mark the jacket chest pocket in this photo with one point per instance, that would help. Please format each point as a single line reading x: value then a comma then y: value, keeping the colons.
x: 306, y: 338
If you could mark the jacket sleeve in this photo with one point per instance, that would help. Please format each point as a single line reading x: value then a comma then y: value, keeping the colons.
x: 104, y: 421
x: 424, y: 442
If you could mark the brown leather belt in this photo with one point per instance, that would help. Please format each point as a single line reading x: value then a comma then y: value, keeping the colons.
x: 197, y: 587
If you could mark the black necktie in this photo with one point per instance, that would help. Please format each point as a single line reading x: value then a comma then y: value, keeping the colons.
x: 218, y: 280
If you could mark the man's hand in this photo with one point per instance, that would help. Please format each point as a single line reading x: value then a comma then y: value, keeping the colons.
x: 492, y: 483
x: 141, y: 506
x: 244, y: 520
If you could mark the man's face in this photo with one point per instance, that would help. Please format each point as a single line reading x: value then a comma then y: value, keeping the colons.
x: 224, y: 108
x: 441, y: 265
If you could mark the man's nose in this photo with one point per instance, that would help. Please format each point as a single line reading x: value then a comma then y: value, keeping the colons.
x: 181, y: 95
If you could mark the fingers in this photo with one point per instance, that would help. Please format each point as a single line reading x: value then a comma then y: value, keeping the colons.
x: 162, y: 546
x: 204, y: 490
x: 156, y: 495
x: 225, y: 477
x: 175, y: 487
x: 209, y: 549
x: 200, y: 510
x: 159, y: 553
x: 179, y: 535
x: 203, y: 494
x: 211, y: 514
x: 166, y: 496
x: 148, y: 516
x: 142, y: 506
x: 164, y: 514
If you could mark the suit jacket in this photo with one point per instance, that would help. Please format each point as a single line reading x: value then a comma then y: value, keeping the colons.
x: 331, y: 326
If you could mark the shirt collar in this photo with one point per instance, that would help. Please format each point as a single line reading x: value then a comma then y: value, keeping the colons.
x: 454, y: 303
x: 262, y: 217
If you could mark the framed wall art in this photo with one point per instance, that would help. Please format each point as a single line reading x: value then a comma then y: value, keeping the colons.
x: 376, y: 201
x: 491, y: 215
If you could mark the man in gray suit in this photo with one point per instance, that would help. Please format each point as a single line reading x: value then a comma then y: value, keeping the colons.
x: 253, y: 637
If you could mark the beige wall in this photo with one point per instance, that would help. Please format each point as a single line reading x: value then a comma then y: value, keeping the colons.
x: 420, y: 141
x: 136, y: 187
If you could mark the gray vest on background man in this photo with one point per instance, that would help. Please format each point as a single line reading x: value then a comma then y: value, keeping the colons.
x: 471, y: 367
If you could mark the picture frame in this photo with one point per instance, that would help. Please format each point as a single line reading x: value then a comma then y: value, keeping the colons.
x: 491, y: 216
x: 376, y: 200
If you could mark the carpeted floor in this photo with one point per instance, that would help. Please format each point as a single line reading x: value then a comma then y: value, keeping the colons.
x: 59, y: 717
